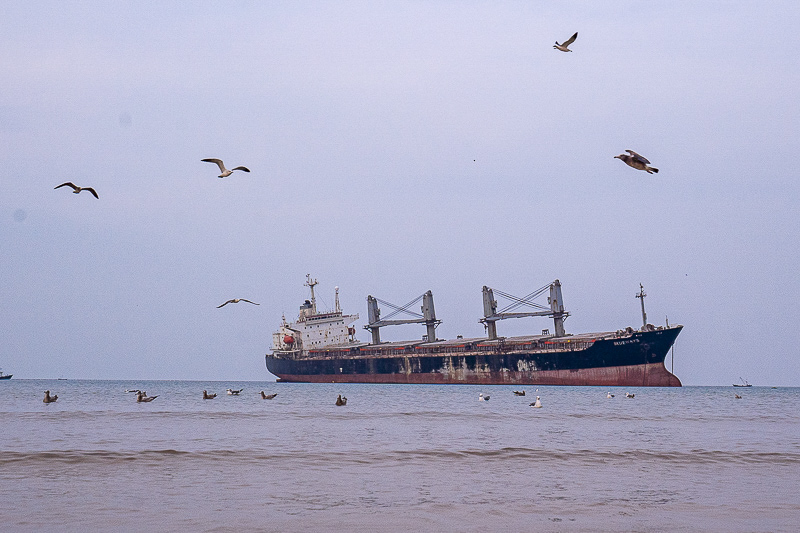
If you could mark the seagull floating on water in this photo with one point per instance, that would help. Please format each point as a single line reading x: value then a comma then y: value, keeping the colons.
x: 341, y: 400
x: 629, y: 395
x: 236, y: 301
x: 636, y: 161
x: 77, y: 190
x: 564, y: 47
x: 537, y: 403
x: 225, y: 172
x: 737, y: 396
x: 482, y: 398
x: 48, y: 398
x: 609, y: 395
x: 143, y: 397
x: 519, y: 393
x: 267, y: 396
x: 234, y: 392
x: 207, y: 396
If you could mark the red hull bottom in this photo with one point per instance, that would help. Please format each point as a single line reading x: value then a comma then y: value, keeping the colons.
x: 647, y: 375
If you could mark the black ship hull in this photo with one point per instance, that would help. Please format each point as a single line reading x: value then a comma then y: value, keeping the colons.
x: 633, y: 360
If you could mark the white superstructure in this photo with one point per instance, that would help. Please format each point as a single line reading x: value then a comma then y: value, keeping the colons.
x: 314, y: 330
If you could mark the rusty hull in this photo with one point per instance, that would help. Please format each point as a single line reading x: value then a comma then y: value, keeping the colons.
x: 646, y: 375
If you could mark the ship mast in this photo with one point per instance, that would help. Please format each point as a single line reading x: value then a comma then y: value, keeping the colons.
x: 641, y: 296
x: 311, y: 283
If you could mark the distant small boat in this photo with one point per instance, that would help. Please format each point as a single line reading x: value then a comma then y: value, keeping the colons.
x: 744, y: 383
x: 5, y: 376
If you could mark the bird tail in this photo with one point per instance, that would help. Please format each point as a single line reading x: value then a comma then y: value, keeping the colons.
x: 654, y: 170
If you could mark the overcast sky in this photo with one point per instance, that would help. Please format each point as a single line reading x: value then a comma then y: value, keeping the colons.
x: 395, y: 147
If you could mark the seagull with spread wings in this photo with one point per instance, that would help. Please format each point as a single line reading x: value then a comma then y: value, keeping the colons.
x: 636, y: 161
x: 225, y: 172
x: 236, y: 301
x: 77, y: 189
x: 564, y: 47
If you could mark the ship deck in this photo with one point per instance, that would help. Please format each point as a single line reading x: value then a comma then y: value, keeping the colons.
x: 461, y: 345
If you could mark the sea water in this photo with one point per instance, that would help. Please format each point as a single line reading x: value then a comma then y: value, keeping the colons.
x: 396, y: 458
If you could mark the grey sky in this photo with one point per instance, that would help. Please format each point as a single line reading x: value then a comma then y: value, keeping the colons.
x: 395, y: 147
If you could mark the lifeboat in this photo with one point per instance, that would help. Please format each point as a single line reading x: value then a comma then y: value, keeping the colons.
x: 288, y: 339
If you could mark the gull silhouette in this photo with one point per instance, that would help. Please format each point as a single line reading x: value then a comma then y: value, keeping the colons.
x: 564, y: 47
x: 636, y: 161
x: 77, y: 189
x: 225, y: 172
x: 236, y: 301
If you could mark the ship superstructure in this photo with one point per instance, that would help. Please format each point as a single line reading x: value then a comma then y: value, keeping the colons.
x: 314, y: 330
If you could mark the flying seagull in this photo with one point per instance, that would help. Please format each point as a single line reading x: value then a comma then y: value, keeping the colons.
x: 564, y: 47
x: 236, y: 301
x: 77, y: 189
x: 636, y: 161
x: 225, y: 171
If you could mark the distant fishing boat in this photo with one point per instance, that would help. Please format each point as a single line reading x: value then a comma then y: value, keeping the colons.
x: 5, y: 376
x: 744, y: 383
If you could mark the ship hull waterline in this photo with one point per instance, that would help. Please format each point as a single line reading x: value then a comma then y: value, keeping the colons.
x: 637, y: 361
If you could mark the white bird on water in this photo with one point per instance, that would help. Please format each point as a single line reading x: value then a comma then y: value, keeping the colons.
x: 76, y: 189
x: 609, y: 395
x: 482, y: 398
x: 629, y: 395
x: 225, y: 172
x: 537, y: 403
x: 236, y: 301
x: 234, y: 392
x: 639, y: 162
x: 564, y: 47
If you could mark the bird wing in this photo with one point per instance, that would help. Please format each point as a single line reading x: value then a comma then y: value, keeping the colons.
x: 69, y: 184
x: 570, y: 40
x: 638, y: 157
x: 242, y: 168
x: 248, y: 301
x: 91, y: 191
x: 226, y: 303
x: 219, y: 163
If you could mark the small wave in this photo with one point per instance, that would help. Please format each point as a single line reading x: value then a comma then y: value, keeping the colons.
x: 587, y: 456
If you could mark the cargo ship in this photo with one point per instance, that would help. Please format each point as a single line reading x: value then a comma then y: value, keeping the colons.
x: 321, y: 347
